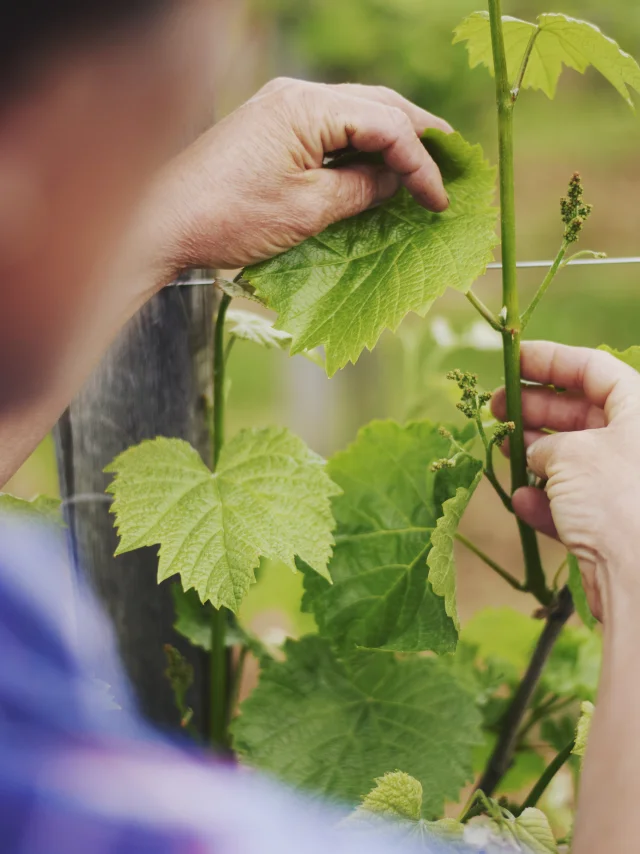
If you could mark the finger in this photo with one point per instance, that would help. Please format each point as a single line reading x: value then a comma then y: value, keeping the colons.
x: 545, y: 408
x: 530, y: 436
x: 354, y: 189
x: 372, y: 127
x: 532, y: 506
x: 607, y: 382
x: 421, y: 119
x: 540, y: 453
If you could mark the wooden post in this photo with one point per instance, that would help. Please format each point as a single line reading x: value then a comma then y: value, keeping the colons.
x: 153, y: 382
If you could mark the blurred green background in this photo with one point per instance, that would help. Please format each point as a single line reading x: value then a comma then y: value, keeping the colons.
x: 406, y: 44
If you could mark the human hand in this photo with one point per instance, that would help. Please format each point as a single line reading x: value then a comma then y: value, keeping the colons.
x: 254, y: 186
x: 591, y: 465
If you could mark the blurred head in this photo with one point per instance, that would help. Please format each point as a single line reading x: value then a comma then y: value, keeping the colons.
x: 95, y: 96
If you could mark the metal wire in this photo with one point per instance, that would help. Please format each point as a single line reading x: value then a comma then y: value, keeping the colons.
x: 523, y: 265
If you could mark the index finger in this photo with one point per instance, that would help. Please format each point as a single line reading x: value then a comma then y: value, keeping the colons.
x: 605, y: 381
x: 422, y: 120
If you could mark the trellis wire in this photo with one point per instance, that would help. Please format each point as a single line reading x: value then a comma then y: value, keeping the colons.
x: 523, y: 265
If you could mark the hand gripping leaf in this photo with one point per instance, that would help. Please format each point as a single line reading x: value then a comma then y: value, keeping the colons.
x: 390, y: 507
x: 334, y: 727
x: 553, y: 42
x: 269, y: 497
x: 362, y: 276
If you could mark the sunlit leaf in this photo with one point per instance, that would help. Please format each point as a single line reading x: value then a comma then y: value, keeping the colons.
x: 559, y: 41
x: 270, y: 496
x: 362, y: 276
x: 584, y: 728
x: 629, y: 357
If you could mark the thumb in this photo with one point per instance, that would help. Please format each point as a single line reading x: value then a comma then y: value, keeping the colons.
x: 352, y: 189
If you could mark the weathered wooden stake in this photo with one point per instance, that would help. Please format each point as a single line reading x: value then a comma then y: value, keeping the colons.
x: 153, y: 382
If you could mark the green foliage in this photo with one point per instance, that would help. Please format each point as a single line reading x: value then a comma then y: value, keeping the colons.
x: 579, y: 596
x: 397, y: 797
x: 362, y: 276
x: 558, y: 41
x: 269, y: 497
x: 42, y: 509
x: 441, y: 561
x: 249, y: 326
x: 584, y: 728
x: 193, y: 619
x: 334, y: 726
x: 391, y: 504
x: 629, y: 357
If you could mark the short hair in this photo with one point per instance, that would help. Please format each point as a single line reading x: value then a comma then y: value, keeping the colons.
x: 28, y: 27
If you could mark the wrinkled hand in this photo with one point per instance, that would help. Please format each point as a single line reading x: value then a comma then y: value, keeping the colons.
x: 591, y: 464
x: 253, y: 185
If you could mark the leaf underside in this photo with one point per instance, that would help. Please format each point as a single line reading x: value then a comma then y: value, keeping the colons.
x: 250, y: 326
x: 270, y: 497
x: 390, y: 506
x: 343, y: 288
x: 334, y: 727
x: 559, y: 41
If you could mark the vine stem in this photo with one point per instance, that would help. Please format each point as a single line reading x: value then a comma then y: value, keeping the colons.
x: 535, y: 579
x: 550, y: 772
x: 544, y: 287
x: 219, y: 660
x: 485, y: 311
x: 502, y: 756
x: 515, y: 92
x: 489, y: 470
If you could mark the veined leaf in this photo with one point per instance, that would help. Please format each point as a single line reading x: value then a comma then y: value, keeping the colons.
x: 579, y: 596
x: 396, y: 795
x: 390, y: 505
x: 584, y: 728
x: 559, y: 41
x: 343, y: 288
x: 333, y: 727
x: 441, y: 561
x: 42, y: 509
x: 629, y: 357
x: 269, y: 497
x: 249, y: 326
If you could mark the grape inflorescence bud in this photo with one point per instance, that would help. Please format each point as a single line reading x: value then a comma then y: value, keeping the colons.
x: 502, y: 431
x: 473, y: 400
x: 574, y: 210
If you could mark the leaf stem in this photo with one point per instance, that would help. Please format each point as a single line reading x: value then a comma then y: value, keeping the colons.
x: 551, y: 706
x: 485, y: 311
x: 502, y: 756
x: 550, y: 772
x: 237, y: 678
x: 517, y: 86
x: 535, y: 579
x: 544, y: 287
x: 219, y: 657
x: 510, y: 579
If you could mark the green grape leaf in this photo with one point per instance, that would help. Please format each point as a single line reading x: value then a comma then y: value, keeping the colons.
x: 579, y: 596
x: 441, y: 560
x: 343, y: 288
x: 532, y: 830
x: 629, y: 357
x: 270, y: 496
x: 333, y: 727
x: 42, y: 509
x: 396, y: 795
x: 249, y: 326
x: 559, y: 41
x: 390, y: 505
x: 180, y: 675
x: 584, y: 728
